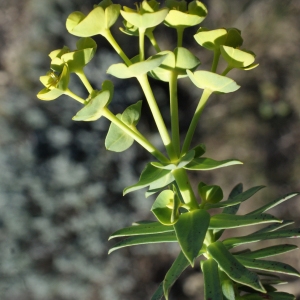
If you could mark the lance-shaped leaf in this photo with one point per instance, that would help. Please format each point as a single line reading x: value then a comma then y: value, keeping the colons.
x: 180, y: 18
x: 159, y: 293
x: 142, y: 19
x: 233, y: 201
x: 97, y: 101
x: 97, y: 21
x: 160, y: 183
x: 269, y: 251
x: 150, y: 175
x: 256, y: 237
x: 142, y: 228
x: 233, y: 268
x: 191, y: 229
x: 271, y: 296
x: 274, y: 227
x: 212, y: 286
x: 122, y: 71
x: 273, y: 203
x: 166, y: 237
x: 55, y: 85
x: 199, y: 150
x: 183, y: 161
x: 213, y: 82
x: 226, y: 221
x: 166, y: 208
x: 268, y: 265
x: 203, y: 164
x: 179, y: 265
x: 237, y: 58
x: 117, y: 140
x: 227, y: 286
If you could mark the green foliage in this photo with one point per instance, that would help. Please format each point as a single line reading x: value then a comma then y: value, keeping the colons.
x: 180, y: 217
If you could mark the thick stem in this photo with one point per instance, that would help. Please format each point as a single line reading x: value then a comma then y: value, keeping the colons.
x: 174, y: 112
x: 142, y: 43
x: 185, y: 189
x: 215, y: 61
x: 85, y: 81
x: 74, y: 96
x: 194, y: 122
x: 107, y: 34
x: 143, y: 80
x: 136, y: 136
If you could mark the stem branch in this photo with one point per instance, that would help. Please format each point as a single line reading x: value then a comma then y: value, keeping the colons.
x: 84, y: 80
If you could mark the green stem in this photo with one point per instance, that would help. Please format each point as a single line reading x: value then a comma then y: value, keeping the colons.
x: 153, y: 41
x: 142, y: 43
x: 174, y: 112
x: 226, y: 71
x: 136, y: 136
x: 185, y: 188
x: 179, y: 36
x: 194, y: 122
x: 143, y: 80
x: 84, y: 80
x: 74, y: 96
x: 107, y: 34
x: 214, y: 66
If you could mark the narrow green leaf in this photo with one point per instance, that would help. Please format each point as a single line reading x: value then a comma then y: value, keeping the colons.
x: 166, y: 237
x: 179, y: 265
x: 256, y: 237
x: 203, y: 164
x: 143, y: 228
x: 268, y: 265
x: 191, y: 229
x: 232, y: 201
x: 160, y: 183
x: 150, y: 175
x: 231, y: 266
x: 212, y: 286
x: 271, y: 296
x: 199, y: 150
x: 226, y: 221
x: 273, y: 203
x: 159, y: 293
x: 228, y: 289
x: 274, y: 227
x: 132, y: 114
x: 269, y: 251
x: 213, y: 82
x: 210, y: 193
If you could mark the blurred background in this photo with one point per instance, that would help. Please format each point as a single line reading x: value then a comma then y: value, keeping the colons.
x: 61, y: 191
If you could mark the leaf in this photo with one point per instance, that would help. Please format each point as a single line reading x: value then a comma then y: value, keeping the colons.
x: 191, y: 229
x: 150, y: 175
x: 231, y: 266
x: 203, y: 164
x: 237, y: 58
x: 144, y: 228
x: 226, y: 221
x: 212, y: 286
x: 163, y: 207
x: 185, y: 60
x: 179, y: 265
x: 268, y: 265
x: 269, y: 251
x: 233, y: 201
x: 166, y: 237
x: 271, y: 296
x: 199, y: 150
x: 273, y: 203
x: 159, y: 293
x: 228, y: 289
x: 132, y: 114
x: 161, y: 183
x: 211, y: 39
x: 256, y: 237
x: 116, y: 139
x: 274, y: 227
x: 213, y: 82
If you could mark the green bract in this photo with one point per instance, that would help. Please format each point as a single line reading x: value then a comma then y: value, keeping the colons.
x: 55, y: 84
x: 100, y: 19
x: 180, y: 17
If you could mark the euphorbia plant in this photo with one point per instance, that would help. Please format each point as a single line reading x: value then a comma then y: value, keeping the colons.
x: 178, y: 215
